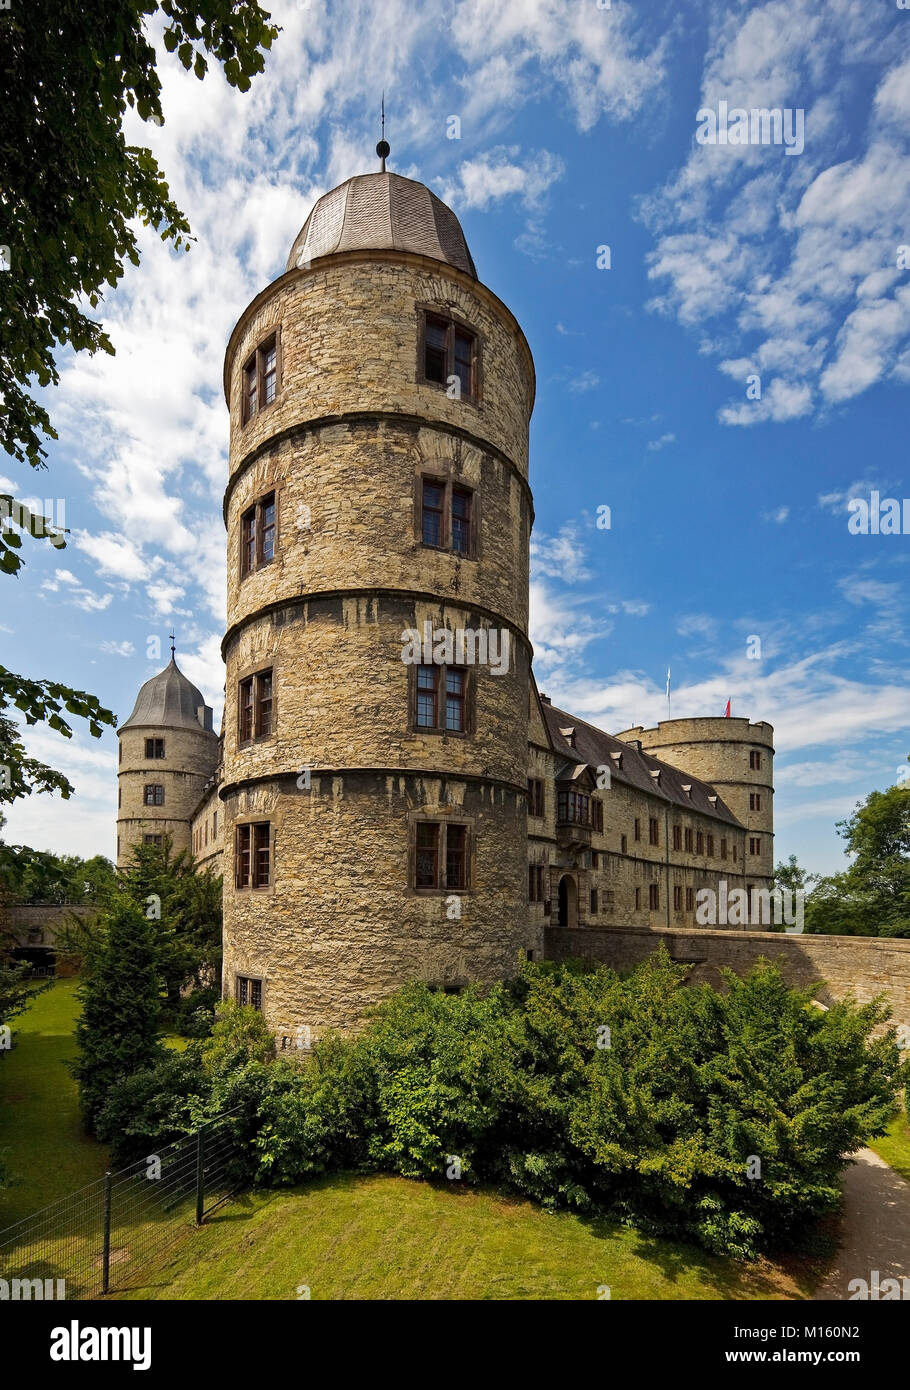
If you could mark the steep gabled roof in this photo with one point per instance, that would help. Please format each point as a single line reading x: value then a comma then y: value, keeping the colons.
x: 592, y: 746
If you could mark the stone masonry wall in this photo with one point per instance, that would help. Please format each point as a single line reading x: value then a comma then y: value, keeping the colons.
x: 848, y: 965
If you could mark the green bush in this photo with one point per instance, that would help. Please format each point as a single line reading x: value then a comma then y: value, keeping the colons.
x: 723, y: 1119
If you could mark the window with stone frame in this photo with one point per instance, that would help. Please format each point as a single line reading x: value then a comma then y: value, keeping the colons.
x: 690, y: 899
x: 257, y: 535
x: 572, y: 807
x: 687, y: 840
x: 254, y: 707
x: 248, y: 991
x: 154, y: 748
x: 597, y: 814
x: 754, y: 801
x: 623, y: 844
x: 535, y: 796
x: 260, y: 377
x: 653, y: 831
x: 638, y: 897
x: 654, y: 896
x: 253, y: 857
x: 593, y: 902
x: 677, y: 898
x: 699, y: 842
x: 755, y: 759
x: 723, y: 848
x: 677, y: 837
x: 535, y: 883
x: 755, y: 844
x: 449, y: 350
x: 709, y: 851
x: 441, y: 699
x: 153, y: 794
x: 447, y: 516
x: 636, y: 835
x: 151, y: 839
x: 441, y: 856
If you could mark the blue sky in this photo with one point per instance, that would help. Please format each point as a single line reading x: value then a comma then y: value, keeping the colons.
x: 729, y: 514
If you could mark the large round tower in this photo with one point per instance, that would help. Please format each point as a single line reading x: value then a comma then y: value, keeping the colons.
x: 378, y: 517
x: 737, y: 758
x: 168, y: 751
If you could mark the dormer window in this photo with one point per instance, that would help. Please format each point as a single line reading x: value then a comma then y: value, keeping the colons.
x: 569, y: 735
x: 617, y: 760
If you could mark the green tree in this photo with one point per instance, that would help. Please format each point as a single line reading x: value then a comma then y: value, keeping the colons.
x: 70, y: 187
x: 117, y: 1033
x: 872, y: 896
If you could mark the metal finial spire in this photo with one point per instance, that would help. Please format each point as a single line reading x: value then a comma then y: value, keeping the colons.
x: 383, y: 148
x: 173, y: 648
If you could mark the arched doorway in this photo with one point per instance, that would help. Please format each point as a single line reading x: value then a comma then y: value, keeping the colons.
x: 568, y: 902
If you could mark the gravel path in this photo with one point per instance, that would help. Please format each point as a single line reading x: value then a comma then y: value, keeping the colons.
x: 876, y: 1228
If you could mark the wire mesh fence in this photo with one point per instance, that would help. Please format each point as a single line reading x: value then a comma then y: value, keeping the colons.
x: 98, y: 1238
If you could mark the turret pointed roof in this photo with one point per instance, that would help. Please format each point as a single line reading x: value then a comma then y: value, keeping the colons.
x: 170, y: 701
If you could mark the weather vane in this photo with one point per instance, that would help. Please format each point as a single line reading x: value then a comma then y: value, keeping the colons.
x: 383, y: 148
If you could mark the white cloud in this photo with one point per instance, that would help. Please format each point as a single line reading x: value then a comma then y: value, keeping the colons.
x: 561, y: 556
x: 655, y: 444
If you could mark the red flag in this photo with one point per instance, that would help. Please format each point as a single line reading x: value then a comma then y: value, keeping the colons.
x: 727, y: 711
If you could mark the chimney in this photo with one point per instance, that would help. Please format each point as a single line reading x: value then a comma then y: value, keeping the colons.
x: 545, y: 700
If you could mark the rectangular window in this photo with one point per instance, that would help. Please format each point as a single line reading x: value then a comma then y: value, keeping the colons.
x: 432, y: 513
x: 597, y: 813
x: 593, y: 902
x: 594, y: 860
x: 257, y: 535
x: 151, y: 839
x: 260, y: 378
x: 427, y: 693
x: 677, y: 837
x: 449, y: 350
x: 254, y: 707
x: 688, y: 841
x: 535, y: 796
x: 154, y: 794
x: 638, y: 897
x: 456, y: 856
x: 623, y: 844
x: 677, y: 898
x: 441, y: 856
x: 461, y: 521
x: 535, y: 883
x: 723, y: 848
x: 755, y: 759
x: 637, y: 831
x: 154, y: 747
x: 573, y: 808
x: 427, y: 855
x: 710, y: 849
x: 455, y: 692
x: 755, y: 801
x: 654, y: 896
x: 653, y: 836
x: 755, y: 845
x: 690, y: 899
x: 699, y: 842
x: 249, y: 992
x: 253, y: 855
x: 214, y: 825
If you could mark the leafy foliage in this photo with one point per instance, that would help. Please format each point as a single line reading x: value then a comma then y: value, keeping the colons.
x: 872, y: 896
x: 661, y: 1128
x: 117, y: 1033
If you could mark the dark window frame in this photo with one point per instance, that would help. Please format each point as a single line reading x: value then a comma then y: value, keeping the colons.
x: 256, y: 372
x: 450, y: 488
x: 258, y: 534
x: 154, y: 749
x: 443, y: 854
x: 253, y: 856
x: 253, y: 730
x: 536, y: 798
x: 246, y: 990
x: 452, y: 327
x: 441, y: 698
x: 157, y: 794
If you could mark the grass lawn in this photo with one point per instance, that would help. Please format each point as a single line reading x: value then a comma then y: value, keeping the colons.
x: 47, y: 1153
x: 375, y: 1237
x: 894, y: 1147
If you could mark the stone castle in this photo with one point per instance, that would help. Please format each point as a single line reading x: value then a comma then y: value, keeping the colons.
x: 387, y: 801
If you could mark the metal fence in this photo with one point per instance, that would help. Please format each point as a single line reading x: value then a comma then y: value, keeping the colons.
x: 101, y: 1237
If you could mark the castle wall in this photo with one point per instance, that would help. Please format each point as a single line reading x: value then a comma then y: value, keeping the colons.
x: 716, y: 750
x: 848, y: 965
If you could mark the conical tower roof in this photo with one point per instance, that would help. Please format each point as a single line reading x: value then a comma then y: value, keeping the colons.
x: 378, y: 212
x: 170, y: 701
